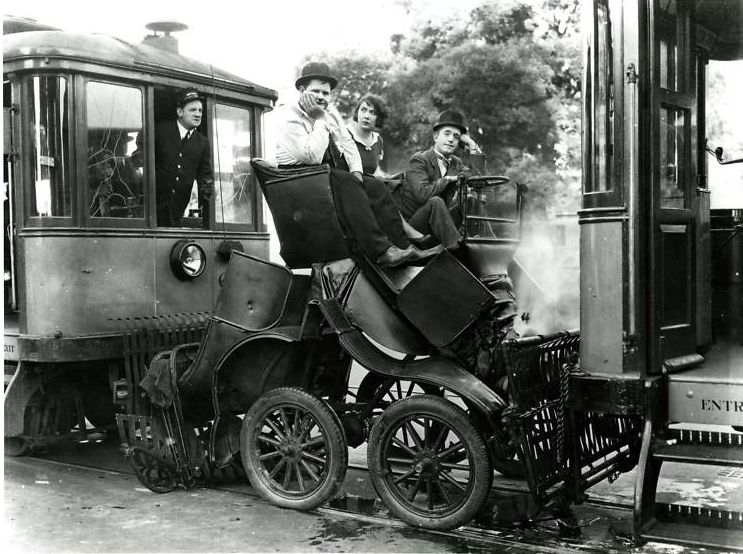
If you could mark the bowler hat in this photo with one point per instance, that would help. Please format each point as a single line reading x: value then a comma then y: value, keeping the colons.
x: 449, y: 117
x: 316, y: 70
x: 186, y: 95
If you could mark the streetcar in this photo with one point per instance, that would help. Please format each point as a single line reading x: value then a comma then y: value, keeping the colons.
x: 661, y: 332
x: 82, y: 269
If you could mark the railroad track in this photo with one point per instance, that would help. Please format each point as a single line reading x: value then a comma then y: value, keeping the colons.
x: 539, y: 535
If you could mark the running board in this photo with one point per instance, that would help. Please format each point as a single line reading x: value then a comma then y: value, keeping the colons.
x: 694, y: 534
x: 729, y: 456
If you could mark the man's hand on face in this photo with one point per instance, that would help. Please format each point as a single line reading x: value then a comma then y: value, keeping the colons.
x: 310, y: 106
x: 471, y: 144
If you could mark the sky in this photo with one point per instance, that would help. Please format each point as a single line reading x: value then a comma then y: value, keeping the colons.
x: 262, y: 41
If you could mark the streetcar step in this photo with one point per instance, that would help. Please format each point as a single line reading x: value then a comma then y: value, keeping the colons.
x: 700, y: 454
x: 695, y: 535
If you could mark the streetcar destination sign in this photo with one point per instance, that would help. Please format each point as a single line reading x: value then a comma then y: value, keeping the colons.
x: 718, y: 403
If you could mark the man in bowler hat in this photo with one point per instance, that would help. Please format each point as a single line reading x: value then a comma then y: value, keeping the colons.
x: 182, y: 156
x: 312, y: 132
x: 431, y: 178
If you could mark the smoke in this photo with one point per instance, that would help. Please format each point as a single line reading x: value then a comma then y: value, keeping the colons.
x: 546, y: 276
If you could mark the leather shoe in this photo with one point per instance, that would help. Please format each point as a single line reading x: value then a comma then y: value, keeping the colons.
x: 455, y: 247
x: 395, y: 256
x: 424, y: 242
x: 427, y: 253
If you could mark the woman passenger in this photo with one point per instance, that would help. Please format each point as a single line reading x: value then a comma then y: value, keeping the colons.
x: 368, y: 117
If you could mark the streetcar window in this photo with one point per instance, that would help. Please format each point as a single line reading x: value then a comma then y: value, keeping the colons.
x: 672, y: 156
x: 179, y: 204
x: 233, y: 180
x: 114, y: 121
x: 668, y: 45
x: 602, y: 109
x: 50, y: 194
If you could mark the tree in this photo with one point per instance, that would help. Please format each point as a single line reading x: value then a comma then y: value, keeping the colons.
x: 357, y: 74
x: 512, y: 67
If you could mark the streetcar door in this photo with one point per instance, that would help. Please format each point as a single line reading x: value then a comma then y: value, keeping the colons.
x: 673, y: 176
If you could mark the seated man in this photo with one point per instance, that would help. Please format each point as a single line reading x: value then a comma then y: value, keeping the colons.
x: 430, y: 182
x: 312, y: 132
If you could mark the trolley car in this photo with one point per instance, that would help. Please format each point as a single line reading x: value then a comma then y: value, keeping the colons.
x: 83, y: 269
x: 660, y: 273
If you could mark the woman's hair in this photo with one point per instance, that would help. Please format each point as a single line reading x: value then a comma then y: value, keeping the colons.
x: 375, y: 102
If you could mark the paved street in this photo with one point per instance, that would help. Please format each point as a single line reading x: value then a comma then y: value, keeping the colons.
x: 84, y: 498
x: 53, y: 507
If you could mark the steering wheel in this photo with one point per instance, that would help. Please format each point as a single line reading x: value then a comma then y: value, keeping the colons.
x: 487, y: 180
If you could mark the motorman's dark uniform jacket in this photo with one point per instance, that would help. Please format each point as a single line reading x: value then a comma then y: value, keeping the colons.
x: 177, y: 164
x: 423, y: 180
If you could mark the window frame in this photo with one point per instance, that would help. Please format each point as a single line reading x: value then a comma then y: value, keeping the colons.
x: 256, y: 197
x: 27, y: 148
x: 681, y: 100
x: 612, y: 196
x: 83, y: 144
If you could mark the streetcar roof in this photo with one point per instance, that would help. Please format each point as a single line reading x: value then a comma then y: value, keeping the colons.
x: 45, y: 46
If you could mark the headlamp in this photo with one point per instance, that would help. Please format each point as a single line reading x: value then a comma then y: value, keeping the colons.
x: 187, y: 259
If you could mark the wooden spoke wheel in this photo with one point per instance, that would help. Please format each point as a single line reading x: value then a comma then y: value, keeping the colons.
x: 428, y: 463
x: 382, y: 391
x: 293, y: 449
x: 153, y: 471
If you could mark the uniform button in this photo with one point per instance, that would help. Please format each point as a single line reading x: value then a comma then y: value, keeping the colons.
x: 176, y: 178
x: 179, y: 166
x: 180, y: 154
x: 173, y: 191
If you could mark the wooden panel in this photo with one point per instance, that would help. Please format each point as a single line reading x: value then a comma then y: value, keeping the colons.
x: 676, y: 288
x: 675, y: 283
x: 601, y: 297
x: 74, y: 285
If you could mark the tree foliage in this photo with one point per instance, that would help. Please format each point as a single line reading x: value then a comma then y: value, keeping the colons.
x: 512, y: 67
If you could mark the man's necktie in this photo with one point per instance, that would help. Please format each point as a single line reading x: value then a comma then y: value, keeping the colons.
x: 446, y: 163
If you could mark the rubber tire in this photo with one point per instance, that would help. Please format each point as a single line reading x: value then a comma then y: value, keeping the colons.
x: 458, y: 420
x: 142, y: 459
x: 335, y: 440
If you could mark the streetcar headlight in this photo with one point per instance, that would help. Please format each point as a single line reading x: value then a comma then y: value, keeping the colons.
x: 187, y: 259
